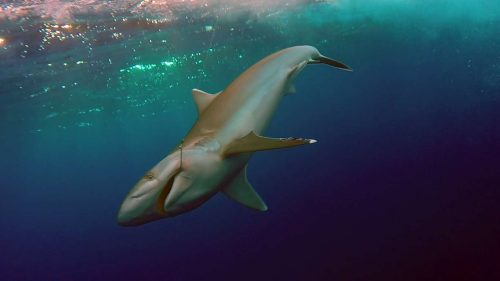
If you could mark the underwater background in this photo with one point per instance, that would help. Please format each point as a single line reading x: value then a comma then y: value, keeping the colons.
x: 402, y: 185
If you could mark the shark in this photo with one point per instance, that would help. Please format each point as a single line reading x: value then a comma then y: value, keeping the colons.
x: 213, y: 156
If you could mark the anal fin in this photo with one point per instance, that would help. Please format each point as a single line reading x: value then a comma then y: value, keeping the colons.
x: 242, y: 192
x: 253, y: 142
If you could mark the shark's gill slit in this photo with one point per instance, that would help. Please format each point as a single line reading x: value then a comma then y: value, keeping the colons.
x: 164, y: 193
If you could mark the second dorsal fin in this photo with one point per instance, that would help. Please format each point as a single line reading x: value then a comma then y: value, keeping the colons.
x: 202, y: 99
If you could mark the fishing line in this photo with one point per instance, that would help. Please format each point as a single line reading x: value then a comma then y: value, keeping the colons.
x: 180, y: 148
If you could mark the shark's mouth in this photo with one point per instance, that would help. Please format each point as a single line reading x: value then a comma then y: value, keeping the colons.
x: 159, y: 206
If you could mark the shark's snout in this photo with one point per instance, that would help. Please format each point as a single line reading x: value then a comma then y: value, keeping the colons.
x: 126, y: 218
x: 145, y: 201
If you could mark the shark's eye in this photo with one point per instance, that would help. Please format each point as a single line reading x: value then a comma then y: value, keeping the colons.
x: 149, y: 176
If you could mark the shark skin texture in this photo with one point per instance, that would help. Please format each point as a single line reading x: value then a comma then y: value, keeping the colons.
x: 214, y: 154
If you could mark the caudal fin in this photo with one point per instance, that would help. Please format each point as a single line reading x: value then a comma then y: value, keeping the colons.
x: 331, y: 62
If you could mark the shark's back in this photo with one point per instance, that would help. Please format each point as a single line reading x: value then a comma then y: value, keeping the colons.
x: 249, y: 101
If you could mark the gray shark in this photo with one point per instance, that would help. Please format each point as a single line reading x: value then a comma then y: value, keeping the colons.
x: 214, y: 154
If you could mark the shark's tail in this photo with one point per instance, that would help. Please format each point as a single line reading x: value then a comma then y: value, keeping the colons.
x: 331, y: 62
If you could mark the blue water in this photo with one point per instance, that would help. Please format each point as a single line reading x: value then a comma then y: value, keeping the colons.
x: 402, y: 185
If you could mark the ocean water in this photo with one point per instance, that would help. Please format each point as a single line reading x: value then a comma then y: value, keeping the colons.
x: 403, y: 183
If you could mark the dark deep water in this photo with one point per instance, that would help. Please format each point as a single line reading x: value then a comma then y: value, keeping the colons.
x: 403, y: 184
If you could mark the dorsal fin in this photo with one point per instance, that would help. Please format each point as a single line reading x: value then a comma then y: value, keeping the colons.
x: 242, y: 192
x: 202, y: 99
x: 253, y: 142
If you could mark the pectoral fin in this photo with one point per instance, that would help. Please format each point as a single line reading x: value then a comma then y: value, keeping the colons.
x: 253, y: 142
x: 242, y: 192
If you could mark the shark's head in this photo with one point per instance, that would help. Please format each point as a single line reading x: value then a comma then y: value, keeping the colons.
x: 179, y: 183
